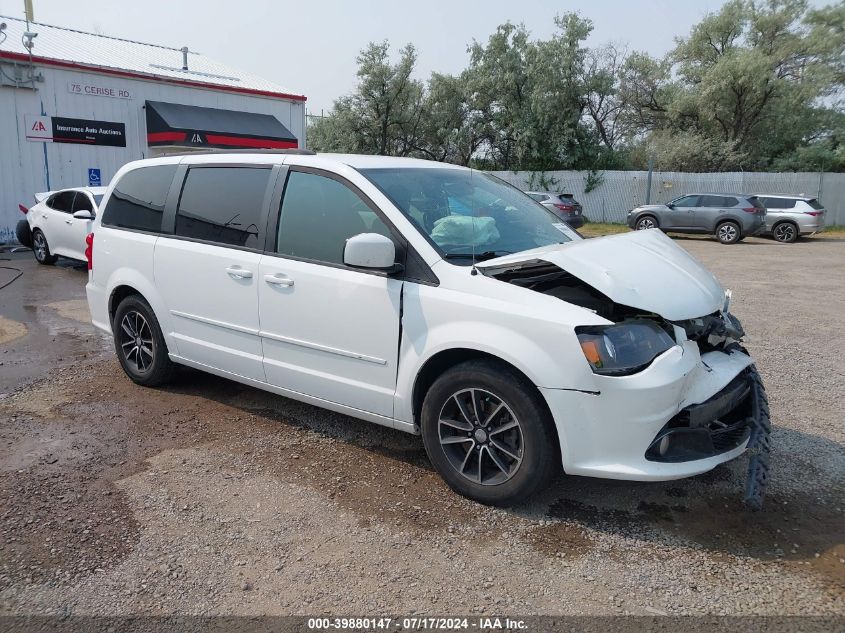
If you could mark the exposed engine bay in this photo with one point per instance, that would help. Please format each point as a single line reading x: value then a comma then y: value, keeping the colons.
x: 730, y: 418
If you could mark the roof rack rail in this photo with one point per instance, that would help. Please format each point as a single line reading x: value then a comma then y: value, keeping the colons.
x: 220, y: 150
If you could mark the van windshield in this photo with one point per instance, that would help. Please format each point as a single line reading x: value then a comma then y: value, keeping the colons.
x: 466, y: 212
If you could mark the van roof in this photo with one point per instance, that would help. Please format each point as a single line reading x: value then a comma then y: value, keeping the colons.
x: 357, y: 161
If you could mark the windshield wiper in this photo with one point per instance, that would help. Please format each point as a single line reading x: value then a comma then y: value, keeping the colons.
x: 479, y: 257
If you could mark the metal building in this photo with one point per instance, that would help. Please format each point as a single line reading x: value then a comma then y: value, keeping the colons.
x: 76, y: 106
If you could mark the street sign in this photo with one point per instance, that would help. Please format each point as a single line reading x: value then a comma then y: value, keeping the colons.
x: 94, y: 179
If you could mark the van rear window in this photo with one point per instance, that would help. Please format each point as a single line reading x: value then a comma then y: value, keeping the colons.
x: 137, y: 201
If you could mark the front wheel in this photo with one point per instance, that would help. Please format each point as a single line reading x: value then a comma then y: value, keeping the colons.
x: 646, y: 222
x: 728, y: 233
x: 42, y: 249
x: 139, y: 343
x: 489, y: 434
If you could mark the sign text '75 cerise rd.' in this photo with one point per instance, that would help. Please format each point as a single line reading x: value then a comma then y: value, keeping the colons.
x: 94, y: 90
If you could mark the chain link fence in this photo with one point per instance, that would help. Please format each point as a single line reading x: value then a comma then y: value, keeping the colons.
x: 616, y: 192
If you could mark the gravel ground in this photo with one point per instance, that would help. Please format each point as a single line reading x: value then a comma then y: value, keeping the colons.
x: 208, y: 497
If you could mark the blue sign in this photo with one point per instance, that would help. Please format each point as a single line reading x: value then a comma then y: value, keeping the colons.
x: 94, y: 179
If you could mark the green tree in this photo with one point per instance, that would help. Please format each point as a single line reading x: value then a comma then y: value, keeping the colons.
x: 747, y: 86
x: 755, y: 85
x: 453, y: 128
x: 530, y: 95
x: 383, y: 115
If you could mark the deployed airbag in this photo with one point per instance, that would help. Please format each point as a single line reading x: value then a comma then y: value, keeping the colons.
x: 464, y: 230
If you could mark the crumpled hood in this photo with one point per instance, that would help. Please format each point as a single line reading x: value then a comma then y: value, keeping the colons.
x: 641, y: 269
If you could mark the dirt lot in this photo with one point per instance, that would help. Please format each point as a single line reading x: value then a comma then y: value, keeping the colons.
x: 212, y: 498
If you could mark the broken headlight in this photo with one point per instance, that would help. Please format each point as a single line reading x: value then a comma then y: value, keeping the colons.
x: 624, y: 348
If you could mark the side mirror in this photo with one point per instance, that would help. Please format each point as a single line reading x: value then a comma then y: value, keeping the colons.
x: 671, y: 205
x: 83, y: 215
x: 370, y: 250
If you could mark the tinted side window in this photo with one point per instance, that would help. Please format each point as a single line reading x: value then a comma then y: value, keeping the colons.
x: 62, y: 201
x: 539, y: 197
x: 815, y: 204
x: 318, y: 215
x: 773, y: 203
x: 686, y: 201
x: 710, y: 201
x: 82, y: 203
x: 729, y: 201
x: 223, y: 204
x: 137, y: 201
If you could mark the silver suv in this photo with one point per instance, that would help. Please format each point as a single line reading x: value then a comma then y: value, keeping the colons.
x: 563, y: 205
x: 789, y: 217
x: 729, y: 216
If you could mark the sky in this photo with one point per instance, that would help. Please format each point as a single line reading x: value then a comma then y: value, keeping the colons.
x: 309, y: 47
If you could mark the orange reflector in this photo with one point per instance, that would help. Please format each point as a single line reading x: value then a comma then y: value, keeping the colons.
x: 591, y: 351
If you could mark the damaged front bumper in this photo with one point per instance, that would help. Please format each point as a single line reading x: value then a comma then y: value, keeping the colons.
x: 698, y: 408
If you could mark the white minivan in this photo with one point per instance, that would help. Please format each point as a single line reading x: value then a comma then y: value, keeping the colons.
x: 433, y: 299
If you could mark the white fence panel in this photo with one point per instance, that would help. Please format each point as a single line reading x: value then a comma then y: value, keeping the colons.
x: 619, y: 191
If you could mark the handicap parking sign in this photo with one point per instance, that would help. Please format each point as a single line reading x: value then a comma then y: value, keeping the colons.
x: 94, y: 179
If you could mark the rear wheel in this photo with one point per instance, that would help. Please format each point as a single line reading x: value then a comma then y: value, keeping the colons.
x: 23, y: 233
x: 728, y: 233
x: 646, y: 222
x: 785, y: 232
x: 139, y: 343
x: 42, y: 249
x: 489, y: 434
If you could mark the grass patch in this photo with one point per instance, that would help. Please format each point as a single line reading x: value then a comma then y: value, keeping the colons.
x: 836, y: 229
x: 597, y: 229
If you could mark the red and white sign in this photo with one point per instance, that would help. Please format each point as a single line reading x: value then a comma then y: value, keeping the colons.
x: 97, y: 90
x: 38, y: 128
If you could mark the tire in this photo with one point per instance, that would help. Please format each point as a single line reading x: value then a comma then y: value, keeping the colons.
x: 646, y: 222
x: 728, y: 232
x: 759, y: 444
x: 139, y: 343
x: 785, y: 232
x: 42, y: 249
x: 514, y: 460
x: 23, y: 233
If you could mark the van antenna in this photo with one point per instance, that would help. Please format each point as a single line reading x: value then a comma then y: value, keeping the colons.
x: 473, y: 270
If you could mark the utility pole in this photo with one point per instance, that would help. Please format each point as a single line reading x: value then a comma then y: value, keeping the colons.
x: 648, y: 181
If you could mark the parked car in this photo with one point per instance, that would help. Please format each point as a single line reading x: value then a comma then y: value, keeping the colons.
x: 59, y: 222
x: 789, y: 217
x: 729, y: 216
x: 563, y: 205
x: 359, y: 284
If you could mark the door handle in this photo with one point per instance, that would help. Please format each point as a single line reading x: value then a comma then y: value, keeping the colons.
x: 278, y: 280
x: 68, y: 221
x: 44, y: 216
x: 239, y: 273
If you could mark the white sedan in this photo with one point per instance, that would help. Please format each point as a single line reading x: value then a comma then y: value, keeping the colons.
x: 61, y: 220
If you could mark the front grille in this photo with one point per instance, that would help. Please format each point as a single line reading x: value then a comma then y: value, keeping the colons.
x: 727, y: 439
x: 717, y: 425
